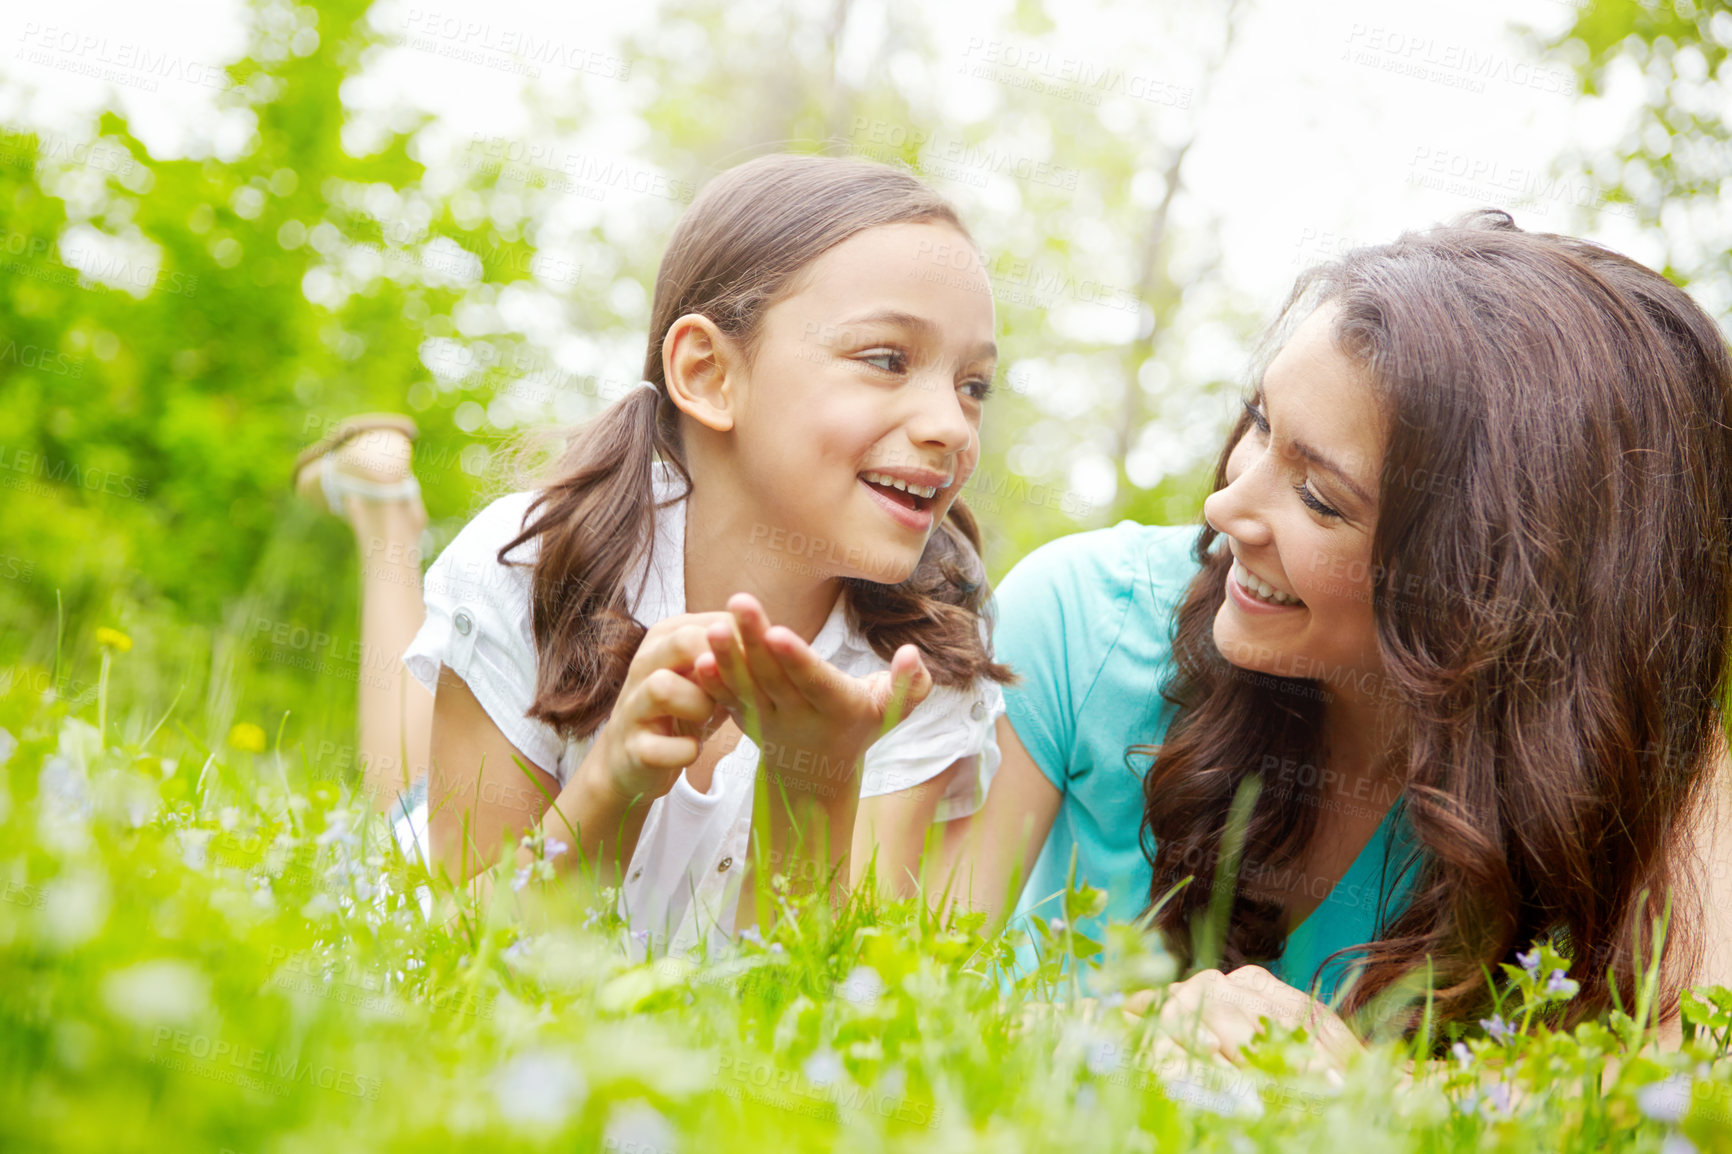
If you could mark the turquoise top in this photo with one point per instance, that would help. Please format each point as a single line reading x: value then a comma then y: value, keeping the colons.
x: 1086, y: 621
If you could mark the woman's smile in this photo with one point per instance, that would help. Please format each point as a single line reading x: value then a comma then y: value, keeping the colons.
x: 1254, y: 595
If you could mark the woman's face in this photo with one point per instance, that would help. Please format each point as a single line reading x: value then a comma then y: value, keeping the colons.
x: 1298, y: 512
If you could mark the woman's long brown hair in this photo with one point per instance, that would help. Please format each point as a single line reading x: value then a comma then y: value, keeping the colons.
x: 736, y: 251
x: 1553, y: 604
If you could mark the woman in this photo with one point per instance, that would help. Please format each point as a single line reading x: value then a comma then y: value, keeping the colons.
x: 1460, y: 607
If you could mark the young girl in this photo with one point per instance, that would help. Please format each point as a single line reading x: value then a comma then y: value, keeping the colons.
x: 820, y: 352
x: 1461, y: 606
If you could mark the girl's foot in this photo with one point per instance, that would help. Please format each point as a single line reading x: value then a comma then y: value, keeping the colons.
x: 362, y: 467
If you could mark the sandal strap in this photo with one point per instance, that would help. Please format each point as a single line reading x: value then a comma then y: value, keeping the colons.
x: 336, y: 483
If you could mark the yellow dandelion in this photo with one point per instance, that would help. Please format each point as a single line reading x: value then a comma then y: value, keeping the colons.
x: 113, y: 639
x: 245, y: 735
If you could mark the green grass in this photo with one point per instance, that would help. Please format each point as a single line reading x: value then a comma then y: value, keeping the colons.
x: 219, y: 949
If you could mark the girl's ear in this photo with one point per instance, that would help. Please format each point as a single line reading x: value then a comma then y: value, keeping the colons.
x: 702, y: 368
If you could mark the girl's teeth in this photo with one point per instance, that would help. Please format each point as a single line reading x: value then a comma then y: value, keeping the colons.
x: 917, y: 490
x: 1256, y: 585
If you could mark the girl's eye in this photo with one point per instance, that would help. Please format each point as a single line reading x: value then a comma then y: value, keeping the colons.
x: 893, y: 356
x: 1312, y: 503
x: 984, y: 387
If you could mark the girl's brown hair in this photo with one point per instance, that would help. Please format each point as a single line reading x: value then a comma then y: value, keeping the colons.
x: 737, y: 250
x: 1559, y: 652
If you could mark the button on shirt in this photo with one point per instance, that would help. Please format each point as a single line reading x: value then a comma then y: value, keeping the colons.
x: 684, y: 876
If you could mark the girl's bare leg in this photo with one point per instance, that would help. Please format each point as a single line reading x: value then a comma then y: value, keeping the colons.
x: 396, y: 713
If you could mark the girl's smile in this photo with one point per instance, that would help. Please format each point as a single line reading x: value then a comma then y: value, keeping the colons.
x: 908, y: 495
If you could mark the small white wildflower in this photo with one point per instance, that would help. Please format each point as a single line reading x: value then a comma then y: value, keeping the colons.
x: 1530, y: 962
x: 822, y: 1068
x: 1558, y: 985
x: 555, y: 848
x: 1236, y: 1099
x: 638, y: 1126
x: 157, y: 993
x: 1461, y: 1051
x: 539, y: 1088
x: 1666, y: 1101
x: 863, y: 987
x: 1102, y: 1056
x: 520, y: 878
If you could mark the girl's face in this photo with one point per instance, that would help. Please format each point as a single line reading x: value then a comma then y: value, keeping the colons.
x: 1298, y: 512
x: 872, y: 371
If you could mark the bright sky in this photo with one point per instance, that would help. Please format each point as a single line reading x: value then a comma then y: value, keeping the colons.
x: 1335, y: 121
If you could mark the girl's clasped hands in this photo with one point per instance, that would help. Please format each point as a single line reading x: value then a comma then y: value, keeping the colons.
x: 811, y: 722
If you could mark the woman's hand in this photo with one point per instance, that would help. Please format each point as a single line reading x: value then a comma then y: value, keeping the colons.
x: 812, y: 722
x: 1224, y: 1012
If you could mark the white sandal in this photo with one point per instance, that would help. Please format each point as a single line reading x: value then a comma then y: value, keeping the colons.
x: 334, y: 483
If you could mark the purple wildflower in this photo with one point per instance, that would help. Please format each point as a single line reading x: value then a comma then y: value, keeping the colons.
x: 1558, y: 985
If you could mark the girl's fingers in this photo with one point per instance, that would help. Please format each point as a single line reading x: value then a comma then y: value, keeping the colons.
x: 661, y: 751
x: 766, y: 667
x: 676, y: 643
x: 750, y: 703
x: 907, y: 684
x: 813, y: 680
x: 668, y: 694
x: 708, y: 676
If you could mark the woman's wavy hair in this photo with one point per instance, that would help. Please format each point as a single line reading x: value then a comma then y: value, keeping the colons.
x: 738, y: 249
x: 1561, y: 660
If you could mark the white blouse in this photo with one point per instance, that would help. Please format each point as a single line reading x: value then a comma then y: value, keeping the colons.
x: 683, y: 879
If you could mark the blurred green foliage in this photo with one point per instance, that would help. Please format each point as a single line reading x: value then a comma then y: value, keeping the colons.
x: 231, y: 306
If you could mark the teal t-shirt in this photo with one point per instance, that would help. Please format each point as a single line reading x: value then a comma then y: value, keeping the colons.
x: 1086, y: 621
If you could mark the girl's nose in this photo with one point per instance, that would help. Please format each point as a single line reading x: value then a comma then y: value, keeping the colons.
x: 939, y: 419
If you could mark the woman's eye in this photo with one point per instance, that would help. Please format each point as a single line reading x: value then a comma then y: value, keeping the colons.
x: 1312, y: 503
x: 1257, y: 418
x: 893, y: 358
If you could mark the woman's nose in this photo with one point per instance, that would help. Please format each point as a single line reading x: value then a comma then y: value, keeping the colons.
x: 1235, y: 509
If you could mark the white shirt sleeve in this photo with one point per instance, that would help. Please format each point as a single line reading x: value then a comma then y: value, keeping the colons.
x: 478, y: 625
x: 951, y: 724
x: 682, y: 884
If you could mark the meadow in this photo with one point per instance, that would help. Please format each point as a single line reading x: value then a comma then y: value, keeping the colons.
x: 222, y: 949
x: 210, y: 943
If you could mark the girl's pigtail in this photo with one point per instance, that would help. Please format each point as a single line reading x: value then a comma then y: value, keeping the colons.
x: 592, y: 522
